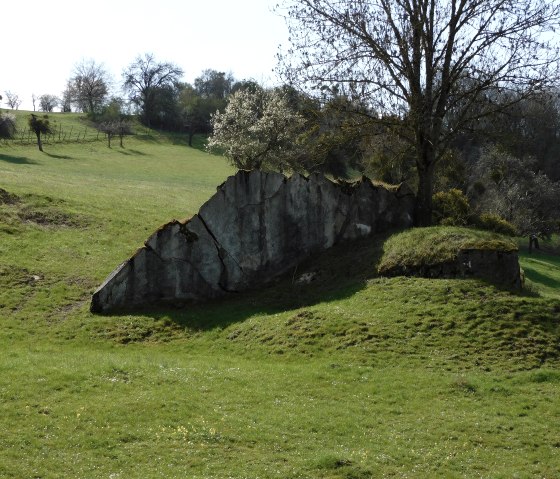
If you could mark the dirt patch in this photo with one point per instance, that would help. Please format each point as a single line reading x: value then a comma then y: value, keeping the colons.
x: 51, y: 217
x: 7, y: 198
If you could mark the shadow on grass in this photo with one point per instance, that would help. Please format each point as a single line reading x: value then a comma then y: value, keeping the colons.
x: 59, y: 157
x: 540, y: 278
x: 199, y: 142
x: 134, y: 152
x: 175, y: 138
x: 340, y: 272
x: 17, y: 160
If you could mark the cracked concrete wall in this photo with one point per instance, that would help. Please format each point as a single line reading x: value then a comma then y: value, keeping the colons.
x: 256, y: 226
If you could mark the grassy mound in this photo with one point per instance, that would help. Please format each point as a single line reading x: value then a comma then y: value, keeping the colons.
x: 436, y: 245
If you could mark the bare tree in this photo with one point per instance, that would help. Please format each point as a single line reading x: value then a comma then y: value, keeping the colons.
x: 426, y: 61
x: 111, y: 128
x: 34, y: 100
x: 48, y: 102
x: 12, y: 100
x: 66, y: 100
x: 88, y: 88
x: 144, y: 78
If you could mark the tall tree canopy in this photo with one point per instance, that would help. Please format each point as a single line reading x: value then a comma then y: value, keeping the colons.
x: 146, y: 80
x: 426, y: 61
x: 214, y: 84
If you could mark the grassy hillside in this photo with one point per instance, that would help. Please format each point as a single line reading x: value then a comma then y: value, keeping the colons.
x: 351, y: 376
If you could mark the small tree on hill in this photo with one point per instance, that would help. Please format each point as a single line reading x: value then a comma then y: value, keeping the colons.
x: 48, y: 102
x: 111, y: 128
x: 88, y: 88
x: 13, y: 100
x: 40, y: 126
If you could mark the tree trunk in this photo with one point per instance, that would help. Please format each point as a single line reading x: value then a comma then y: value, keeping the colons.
x: 423, y: 213
x: 39, y: 142
x: 533, y: 241
x: 425, y: 164
x: 191, y: 134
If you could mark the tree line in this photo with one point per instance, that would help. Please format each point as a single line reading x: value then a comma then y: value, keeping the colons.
x: 152, y: 89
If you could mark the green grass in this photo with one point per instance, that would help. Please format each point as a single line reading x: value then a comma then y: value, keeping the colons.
x: 351, y: 376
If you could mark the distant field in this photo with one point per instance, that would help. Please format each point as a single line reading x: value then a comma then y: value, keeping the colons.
x: 353, y: 376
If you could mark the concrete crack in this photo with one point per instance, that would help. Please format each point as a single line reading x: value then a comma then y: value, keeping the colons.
x: 222, y: 252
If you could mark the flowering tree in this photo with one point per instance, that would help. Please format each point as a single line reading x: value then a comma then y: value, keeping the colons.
x: 258, y: 130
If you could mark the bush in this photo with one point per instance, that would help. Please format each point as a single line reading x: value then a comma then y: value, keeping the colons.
x: 495, y: 223
x: 7, y: 125
x: 451, y: 208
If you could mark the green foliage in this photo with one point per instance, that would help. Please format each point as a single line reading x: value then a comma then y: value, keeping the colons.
x: 151, y: 86
x: 332, y: 138
x: 451, y: 208
x: 495, y: 223
x: 40, y: 126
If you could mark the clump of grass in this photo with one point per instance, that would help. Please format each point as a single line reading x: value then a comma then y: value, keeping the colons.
x: 437, y: 245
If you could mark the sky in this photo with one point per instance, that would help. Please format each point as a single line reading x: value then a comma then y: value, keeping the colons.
x: 44, y: 40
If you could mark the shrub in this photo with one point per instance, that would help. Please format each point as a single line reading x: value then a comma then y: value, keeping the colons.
x: 495, y: 223
x: 7, y: 125
x: 451, y: 208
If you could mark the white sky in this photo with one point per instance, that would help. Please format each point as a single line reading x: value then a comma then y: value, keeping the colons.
x: 43, y: 40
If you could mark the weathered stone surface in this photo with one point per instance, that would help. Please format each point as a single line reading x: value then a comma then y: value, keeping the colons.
x: 498, y: 267
x: 255, y: 227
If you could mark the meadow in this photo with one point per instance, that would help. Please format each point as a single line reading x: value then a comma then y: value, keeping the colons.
x: 353, y: 376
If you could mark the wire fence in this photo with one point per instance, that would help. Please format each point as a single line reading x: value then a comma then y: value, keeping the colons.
x: 58, y: 135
